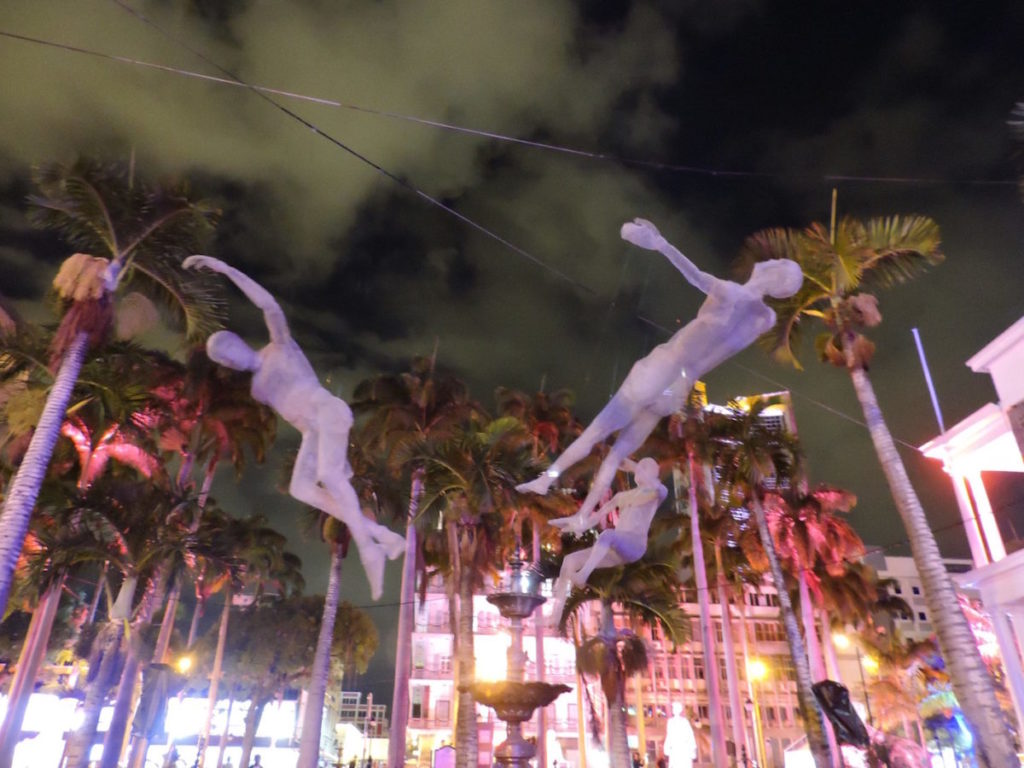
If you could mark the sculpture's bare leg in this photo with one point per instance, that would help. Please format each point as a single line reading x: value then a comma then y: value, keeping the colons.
x: 602, y: 555
x: 614, y: 416
x: 333, y: 471
x: 342, y: 503
x: 628, y: 441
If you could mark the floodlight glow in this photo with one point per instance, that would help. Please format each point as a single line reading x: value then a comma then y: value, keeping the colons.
x: 842, y: 642
x: 757, y: 669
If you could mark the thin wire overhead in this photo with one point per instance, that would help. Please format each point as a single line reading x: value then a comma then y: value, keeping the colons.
x: 265, y: 93
x: 657, y: 165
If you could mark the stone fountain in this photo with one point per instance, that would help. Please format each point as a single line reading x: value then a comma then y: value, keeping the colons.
x: 514, y: 700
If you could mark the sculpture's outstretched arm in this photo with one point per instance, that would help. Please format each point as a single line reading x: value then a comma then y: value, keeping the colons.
x: 643, y: 233
x: 256, y: 293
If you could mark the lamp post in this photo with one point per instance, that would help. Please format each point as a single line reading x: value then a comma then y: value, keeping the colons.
x: 757, y: 670
x: 872, y: 664
x: 748, y: 707
x: 843, y: 643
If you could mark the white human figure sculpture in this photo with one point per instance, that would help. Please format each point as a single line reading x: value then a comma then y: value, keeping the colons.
x: 625, y: 543
x: 680, y: 743
x: 732, y: 317
x: 284, y: 379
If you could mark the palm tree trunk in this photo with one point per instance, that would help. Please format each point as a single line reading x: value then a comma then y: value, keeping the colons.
x: 140, y: 743
x: 96, y: 693
x: 406, y: 622
x: 226, y: 733
x: 971, y: 681
x: 252, y: 722
x: 113, y: 741
x: 719, y: 753
x: 95, y: 602
x: 816, y: 658
x: 22, y: 491
x: 581, y: 728
x: 729, y: 649
x: 215, y: 675
x: 466, y: 741
x: 313, y: 718
x: 809, y: 711
x: 29, y: 661
x: 538, y: 633
x: 193, y: 629
x: 745, y: 648
x: 831, y: 659
x: 641, y: 717
x: 814, y: 652
x: 618, y: 746
x: 163, y: 640
x: 106, y: 659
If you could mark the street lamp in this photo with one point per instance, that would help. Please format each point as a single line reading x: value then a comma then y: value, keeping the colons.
x: 757, y: 671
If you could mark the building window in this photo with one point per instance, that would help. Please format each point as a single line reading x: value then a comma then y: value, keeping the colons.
x: 916, y: 590
x: 897, y: 589
x: 702, y: 712
x: 417, y: 702
x: 769, y: 715
x: 921, y: 616
x: 698, y: 668
x: 442, y: 711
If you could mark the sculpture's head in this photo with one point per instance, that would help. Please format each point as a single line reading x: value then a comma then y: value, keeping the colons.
x: 646, y: 471
x: 677, y: 708
x: 228, y: 349
x: 778, y: 278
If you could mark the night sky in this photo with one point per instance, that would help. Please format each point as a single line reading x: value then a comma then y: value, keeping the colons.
x: 711, y: 119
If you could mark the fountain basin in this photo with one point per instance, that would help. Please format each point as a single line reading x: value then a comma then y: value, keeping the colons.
x: 515, y: 702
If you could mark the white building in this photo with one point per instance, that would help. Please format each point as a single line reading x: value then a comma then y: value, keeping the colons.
x: 990, y: 440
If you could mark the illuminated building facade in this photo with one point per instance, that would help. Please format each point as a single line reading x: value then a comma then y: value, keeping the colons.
x: 675, y: 675
x: 983, y: 448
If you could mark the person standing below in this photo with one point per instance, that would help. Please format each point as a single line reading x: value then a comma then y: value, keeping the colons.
x: 256, y: 762
x: 680, y: 743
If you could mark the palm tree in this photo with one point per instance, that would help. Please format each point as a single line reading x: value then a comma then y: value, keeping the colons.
x: 751, y: 459
x: 337, y: 536
x: 111, y: 390
x: 469, y: 491
x: 842, y: 268
x: 266, y: 653
x: 132, y: 236
x: 811, y: 539
x: 250, y: 555
x: 404, y: 409
x: 684, y: 443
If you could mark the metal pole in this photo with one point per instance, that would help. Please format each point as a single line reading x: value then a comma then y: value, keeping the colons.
x: 864, y: 686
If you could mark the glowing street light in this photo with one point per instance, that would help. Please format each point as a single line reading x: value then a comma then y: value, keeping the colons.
x: 184, y: 664
x: 757, y: 670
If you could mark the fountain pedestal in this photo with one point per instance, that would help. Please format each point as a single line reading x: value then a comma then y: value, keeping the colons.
x: 515, y: 700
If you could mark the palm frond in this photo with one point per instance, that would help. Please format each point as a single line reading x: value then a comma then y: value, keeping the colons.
x: 901, y: 249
